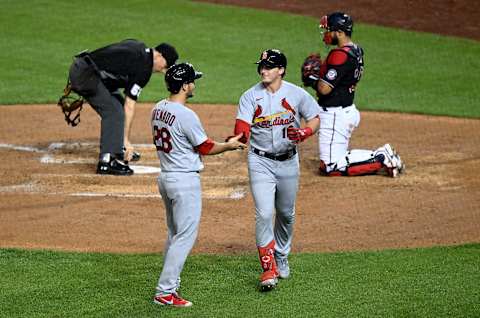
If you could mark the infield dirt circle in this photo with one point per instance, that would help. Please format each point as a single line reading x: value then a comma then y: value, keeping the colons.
x: 50, y: 196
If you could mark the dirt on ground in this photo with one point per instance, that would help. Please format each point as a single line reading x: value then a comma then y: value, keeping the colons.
x: 448, y: 17
x: 50, y: 196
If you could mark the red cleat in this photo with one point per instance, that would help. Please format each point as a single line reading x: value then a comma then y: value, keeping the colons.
x: 171, y: 300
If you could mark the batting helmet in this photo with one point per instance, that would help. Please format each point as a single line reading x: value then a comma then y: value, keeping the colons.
x: 271, y: 58
x: 337, y: 21
x: 179, y: 74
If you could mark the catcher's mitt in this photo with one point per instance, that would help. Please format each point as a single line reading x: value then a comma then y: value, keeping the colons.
x: 71, y: 105
x: 311, y: 69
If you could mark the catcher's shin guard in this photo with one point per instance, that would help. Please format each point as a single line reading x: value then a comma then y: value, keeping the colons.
x: 372, y: 166
x: 269, y: 277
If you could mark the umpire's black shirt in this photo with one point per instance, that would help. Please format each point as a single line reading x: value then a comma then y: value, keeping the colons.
x: 128, y: 64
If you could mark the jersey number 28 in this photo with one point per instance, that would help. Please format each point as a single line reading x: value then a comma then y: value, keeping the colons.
x: 162, y: 139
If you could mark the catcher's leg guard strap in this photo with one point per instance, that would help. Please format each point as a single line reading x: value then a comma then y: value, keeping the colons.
x: 322, y: 169
x: 365, y: 168
x: 370, y: 166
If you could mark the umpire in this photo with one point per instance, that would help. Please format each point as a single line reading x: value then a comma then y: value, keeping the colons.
x: 98, y: 76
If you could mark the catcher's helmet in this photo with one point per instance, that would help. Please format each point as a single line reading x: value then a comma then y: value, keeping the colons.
x: 179, y: 74
x: 337, y: 21
x: 272, y: 58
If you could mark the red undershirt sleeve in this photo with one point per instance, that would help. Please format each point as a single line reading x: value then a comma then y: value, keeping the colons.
x: 205, y: 147
x: 242, y: 127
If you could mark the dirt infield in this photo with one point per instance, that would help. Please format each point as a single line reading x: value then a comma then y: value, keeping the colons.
x: 51, y: 198
x: 448, y: 17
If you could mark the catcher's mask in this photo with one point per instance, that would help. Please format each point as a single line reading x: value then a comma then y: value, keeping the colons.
x: 272, y: 58
x: 179, y: 74
x: 71, y: 105
x: 337, y: 21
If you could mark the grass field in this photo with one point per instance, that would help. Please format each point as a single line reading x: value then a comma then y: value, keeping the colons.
x: 405, y: 71
x: 435, y: 282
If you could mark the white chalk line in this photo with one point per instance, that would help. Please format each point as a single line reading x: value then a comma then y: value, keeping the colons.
x: 138, y: 169
x: 31, y: 189
x: 63, y: 145
x: 77, y: 145
x: 48, y: 159
x: 22, y: 148
x: 25, y: 187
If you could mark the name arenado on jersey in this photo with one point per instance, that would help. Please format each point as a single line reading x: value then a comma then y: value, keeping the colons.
x: 164, y: 116
x: 267, y: 122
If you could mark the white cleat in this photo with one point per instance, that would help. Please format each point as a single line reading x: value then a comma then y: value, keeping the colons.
x: 283, y: 267
x: 392, y: 161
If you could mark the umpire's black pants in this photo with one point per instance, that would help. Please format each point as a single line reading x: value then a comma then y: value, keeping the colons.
x: 109, y: 105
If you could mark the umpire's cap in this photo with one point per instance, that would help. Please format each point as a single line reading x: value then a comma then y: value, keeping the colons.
x: 168, y: 52
x: 272, y: 58
x: 179, y: 74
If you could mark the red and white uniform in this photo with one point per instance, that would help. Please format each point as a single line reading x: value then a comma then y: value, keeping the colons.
x: 339, y: 117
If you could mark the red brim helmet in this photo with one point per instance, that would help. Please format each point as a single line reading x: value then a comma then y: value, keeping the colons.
x: 327, y: 37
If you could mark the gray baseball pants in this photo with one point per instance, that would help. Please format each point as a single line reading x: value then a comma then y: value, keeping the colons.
x: 182, y: 194
x: 274, y: 186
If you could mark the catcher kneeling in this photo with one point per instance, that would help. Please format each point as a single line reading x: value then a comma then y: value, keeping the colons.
x: 335, y: 80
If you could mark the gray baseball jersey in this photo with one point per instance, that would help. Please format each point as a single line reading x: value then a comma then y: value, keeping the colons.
x: 177, y: 130
x: 274, y: 182
x: 271, y: 114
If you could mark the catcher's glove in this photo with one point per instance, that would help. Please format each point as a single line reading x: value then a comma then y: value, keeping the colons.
x: 71, y: 105
x: 311, y: 69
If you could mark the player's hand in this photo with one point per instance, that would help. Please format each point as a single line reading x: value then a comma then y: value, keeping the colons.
x: 128, y: 151
x: 234, y: 142
x: 298, y: 135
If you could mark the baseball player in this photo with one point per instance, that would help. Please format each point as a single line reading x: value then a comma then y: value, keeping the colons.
x: 269, y: 115
x: 98, y: 75
x: 335, y: 81
x: 180, y: 141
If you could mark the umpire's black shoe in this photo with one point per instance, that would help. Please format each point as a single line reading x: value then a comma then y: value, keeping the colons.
x: 114, y: 167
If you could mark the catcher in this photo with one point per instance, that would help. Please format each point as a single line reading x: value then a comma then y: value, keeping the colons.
x: 97, y: 76
x: 335, y: 80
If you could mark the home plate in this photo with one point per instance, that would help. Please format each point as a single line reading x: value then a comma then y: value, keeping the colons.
x: 144, y: 169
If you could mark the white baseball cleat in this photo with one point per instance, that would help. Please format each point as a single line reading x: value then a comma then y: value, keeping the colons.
x: 283, y: 267
x: 392, y: 161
